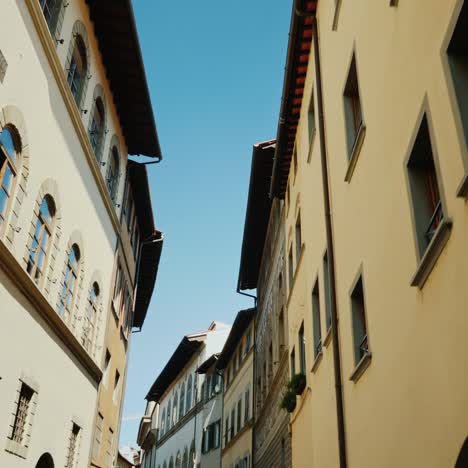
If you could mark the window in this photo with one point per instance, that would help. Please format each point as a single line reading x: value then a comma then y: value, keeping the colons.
x: 113, y: 173
x: 189, y: 394
x: 234, y: 366
x: 361, y: 347
x: 352, y: 106
x: 96, y: 128
x: 41, y: 241
x: 298, y: 238
x: 326, y: 287
x: 302, y: 350
x: 168, y: 416
x: 182, y: 402
x: 9, y: 148
x: 211, y: 437
x: 316, y: 323
x: 228, y: 378
x: 107, y: 361
x: 226, y: 430
x: 281, y: 330
x: 283, y: 454
x: 174, y: 408
x: 233, y: 420
x: 115, y: 395
x: 293, y: 362
x: 69, y: 286
x: 110, y: 443
x: 98, y: 436
x: 77, y: 73
x: 72, y: 455
x: 270, y: 361
x: 247, y: 405
x: 163, y: 422
x: 239, y: 414
x: 311, y: 123
x: 427, y: 205
x: 295, y: 162
x: 23, y: 409
x: 248, y: 340
x: 117, y: 288
x: 51, y: 10
x: 290, y: 268
x: 185, y: 459
x: 458, y: 62
x: 90, y: 318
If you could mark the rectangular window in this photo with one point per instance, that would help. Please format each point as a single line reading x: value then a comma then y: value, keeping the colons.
x: 248, y: 340
x: 427, y: 206
x: 239, y: 415
x: 281, y: 331
x: 270, y: 361
x: 72, y: 456
x: 117, y: 289
x: 352, y: 104
x: 110, y: 442
x: 326, y: 287
x: 311, y: 120
x: 106, y: 368
x: 316, y: 322
x: 233, y: 420
x: 458, y: 62
x: 226, y: 431
x: 115, y: 395
x: 247, y: 405
x: 358, y: 311
x: 298, y: 239
x: 302, y: 350
x: 290, y: 268
x: 98, y: 436
x: 295, y: 162
x: 23, y: 409
x: 293, y: 362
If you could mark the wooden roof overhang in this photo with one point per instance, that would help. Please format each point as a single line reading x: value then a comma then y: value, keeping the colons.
x: 150, y: 251
x: 117, y: 36
x: 179, y: 359
x: 300, y: 40
x: 257, y: 215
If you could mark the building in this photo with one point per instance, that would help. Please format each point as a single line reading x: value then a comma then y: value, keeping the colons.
x: 180, y: 396
x: 263, y: 267
x: 72, y: 108
x: 127, y: 458
x: 371, y: 164
x: 236, y: 364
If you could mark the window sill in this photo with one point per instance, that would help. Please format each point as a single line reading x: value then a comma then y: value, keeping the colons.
x: 311, y: 145
x: 362, y: 365
x: 356, y: 151
x: 327, y: 338
x: 16, y: 449
x: 336, y: 15
x: 433, y: 251
x: 318, y: 360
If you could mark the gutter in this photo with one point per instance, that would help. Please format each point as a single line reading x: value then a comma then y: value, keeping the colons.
x: 331, y: 256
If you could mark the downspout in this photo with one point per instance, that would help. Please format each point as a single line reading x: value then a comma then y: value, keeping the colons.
x: 331, y: 256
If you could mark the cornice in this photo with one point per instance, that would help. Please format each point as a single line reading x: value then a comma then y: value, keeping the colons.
x: 75, y: 116
x: 42, y: 307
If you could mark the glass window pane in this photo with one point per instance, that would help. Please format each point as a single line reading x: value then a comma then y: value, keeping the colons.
x: 7, y: 179
x: 7, y: 143
x: 3, y: 202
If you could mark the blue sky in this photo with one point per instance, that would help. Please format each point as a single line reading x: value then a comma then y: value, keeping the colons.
x: 215, y: 71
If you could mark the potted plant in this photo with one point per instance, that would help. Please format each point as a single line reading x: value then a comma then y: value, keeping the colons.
x: 289, y: 401
x: 298, y: 383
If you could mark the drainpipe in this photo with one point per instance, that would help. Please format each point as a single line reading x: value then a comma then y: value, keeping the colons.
x: 331, y: 256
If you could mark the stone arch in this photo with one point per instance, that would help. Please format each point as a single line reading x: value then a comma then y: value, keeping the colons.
x: 462, y: 460
x: 75, y: 239
x: 11, y: 116
x: 79, y: 31
x: 99, y: 94
x: 45, y: 461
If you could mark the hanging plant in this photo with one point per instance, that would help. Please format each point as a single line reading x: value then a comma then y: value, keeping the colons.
x: 289, y: 401
x: 298, y: 383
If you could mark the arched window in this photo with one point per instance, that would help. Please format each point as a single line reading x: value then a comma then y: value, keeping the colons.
x: 164, y: 465
x: 9, y: 148
x: 40, y: 245
x: 185, y: 459
x: 174, y: 412
x: 51, y: 11
x: 163, y: 422
x: 178, y: 460
x: 113, y: 173
x: 69, y: 285
x: 46, y: 461
x: 90, y: 319
x: 168, y: 416
x: 77, y: 72
x: 182, y: 402
x: 188, y: 405
x: 171, y: 463
x: 96, y: 127
x: 192, y: 455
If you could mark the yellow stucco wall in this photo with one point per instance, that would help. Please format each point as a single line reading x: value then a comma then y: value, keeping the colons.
x: 410, y: 406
